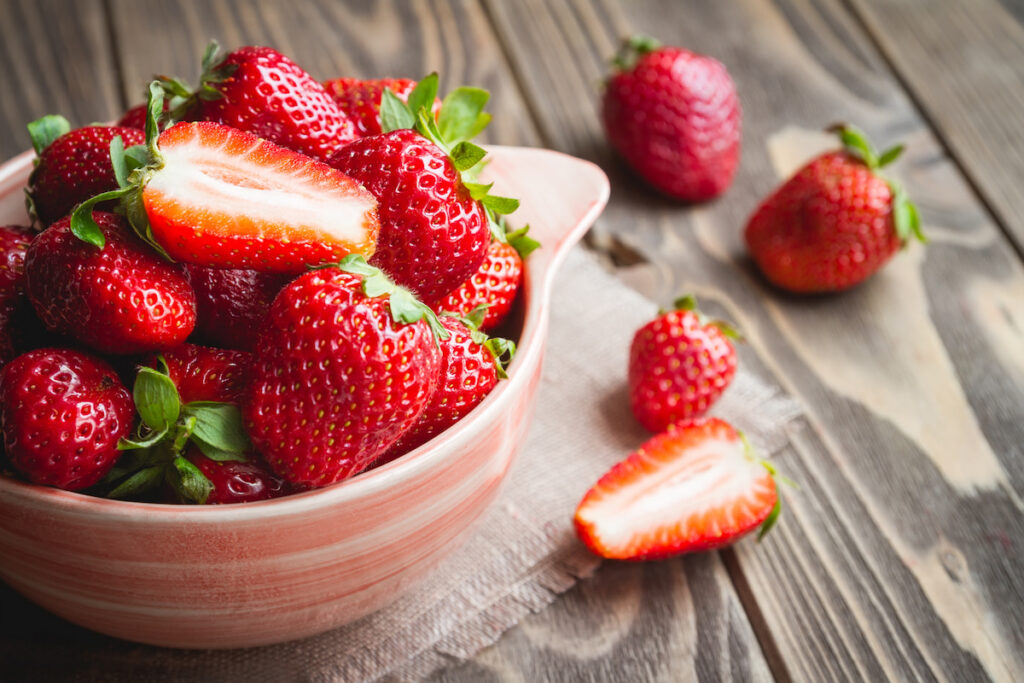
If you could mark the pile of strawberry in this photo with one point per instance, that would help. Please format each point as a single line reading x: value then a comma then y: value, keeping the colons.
x: 296, y: 279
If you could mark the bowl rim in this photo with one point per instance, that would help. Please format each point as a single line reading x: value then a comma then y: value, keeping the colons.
x: 538, y: 276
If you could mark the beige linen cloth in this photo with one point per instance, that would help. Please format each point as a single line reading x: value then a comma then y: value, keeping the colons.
x: 524, y: 553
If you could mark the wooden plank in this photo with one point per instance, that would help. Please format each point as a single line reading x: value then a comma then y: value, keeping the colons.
x: 40, y: 78
x: 898, y: 560
x: 964, y: 66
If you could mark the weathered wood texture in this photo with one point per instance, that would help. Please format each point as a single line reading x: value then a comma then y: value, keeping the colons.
x: 899, y: 560
x: 964, y: 65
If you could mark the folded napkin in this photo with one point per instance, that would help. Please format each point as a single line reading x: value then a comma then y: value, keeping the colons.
x: 524, y: 553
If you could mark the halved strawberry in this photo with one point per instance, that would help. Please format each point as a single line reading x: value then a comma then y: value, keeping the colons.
x: 693, y: 487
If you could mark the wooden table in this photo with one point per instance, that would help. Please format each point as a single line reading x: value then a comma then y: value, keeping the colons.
x: 900, y: 556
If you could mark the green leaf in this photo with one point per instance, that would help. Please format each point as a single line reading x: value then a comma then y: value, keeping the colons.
x: 176, y: 87
x: 118, y: 161
x: 687, y: 302
x: 905, y: 218
x: 84, y: 227
x: 394, y: 113
x: 502, y: 205
x: 422, y: 96
x: 190, y: 482
x: 156, y: 399
x: 211, y: 56
x: 890, y: 155
x: 218, y: 425
x: 151, y: 439
x: 503, y: 350
x: 522, y: 242
x: 214, y: 453
x: 633, y: 48
x: 140, y: 482
x: 475, y: 318
x: 460, y: 113
x: 856, y: 143
x: 136, y: 156
x: 45, y: 130
x: 466, y: 155
x: 154, y: 110
x: 478, y: 191
x: 771, y: 519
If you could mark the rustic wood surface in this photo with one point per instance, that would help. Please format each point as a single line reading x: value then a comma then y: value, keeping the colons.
x: 900, y: 555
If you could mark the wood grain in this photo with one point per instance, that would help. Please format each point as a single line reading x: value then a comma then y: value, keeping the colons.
x: 897, y: 561
x: 964, y: 66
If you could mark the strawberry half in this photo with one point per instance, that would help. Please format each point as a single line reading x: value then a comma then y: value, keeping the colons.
x: 213, y: 195
x: 694, y: 487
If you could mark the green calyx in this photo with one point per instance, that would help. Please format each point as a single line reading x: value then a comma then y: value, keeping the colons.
x: 688, y: 302
x: 155, y: 451
x: 904, y: 213
x: 182, y: 98
x: 632, y: 49
x: 502, y: 350
x: 773, y: 515
x: 405, y: 308
x: 461, y: 118
x: 45, y: 130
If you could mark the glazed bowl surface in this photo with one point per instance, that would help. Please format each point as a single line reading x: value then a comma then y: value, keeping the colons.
x: 267, y: 572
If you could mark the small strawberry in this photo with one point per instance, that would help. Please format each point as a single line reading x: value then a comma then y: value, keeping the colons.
x: 835, y: 222
x: 435, y: 226
x: 347, y: 363
x: 694, y: 487
x: 121, y: 298
x: 238, y: 482
x: 260, y: 91
x: 216, y: 196
x: 360, y: 99
x: 496, y: 283
x: 471, y: 365
x: 201, y: 373
x: 231, y: 303
x: 14, y: 241
x: 674, y: 116
x: 136, y: 116
x: 679, y: 364
x: 72, y: 166
x: 63, y: 413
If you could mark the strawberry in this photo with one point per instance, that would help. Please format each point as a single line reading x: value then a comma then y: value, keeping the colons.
x: 14, y: 241
x: 231, y: 303
x: 216, y: 196
x: 835, y: 222
x: 694, y: 487
x: 347, y: 363
x: 238, y: 482
x: 260, y: 91
x: 674, y: 117
x: 360, y: 99
x: 679, y: 364
x: 495, y: 283
x: 134, y: 118
x: 434, y: 225
x: 62, y: 414
x: 72, y: 165
x: 471, y: 365
x: 121, y: 298
x: 204, y: 374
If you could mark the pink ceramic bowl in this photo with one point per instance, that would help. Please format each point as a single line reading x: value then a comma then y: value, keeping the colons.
x: 267, y: 572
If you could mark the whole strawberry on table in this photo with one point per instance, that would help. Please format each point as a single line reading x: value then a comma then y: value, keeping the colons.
x: 327, y: 233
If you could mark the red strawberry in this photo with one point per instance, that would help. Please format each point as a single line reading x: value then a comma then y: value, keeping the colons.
x: 63, y: 413
x: 14, y: 241
x: 360, y: 99
x: 204, y: 374
x: 679, y: 364
x: 238, y: 482
x: 495, y: 283
x: 134, y: 118
x: 694, y: 487
x: 835, y: 222
x: 347, y: 363
x: 675, y: 118
x: 259, y: 90
x: 121, y: 298
x: 73, y: 166
x: 231, y: 303
x: 470, y: 368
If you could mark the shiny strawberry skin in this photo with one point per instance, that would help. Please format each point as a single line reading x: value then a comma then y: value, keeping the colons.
x: 678, y: 368
x: 202, y: 373
x: 238, y: 482
x: 270, y: 96
x: 62, y: 414
x: 675, y: 118
x: 433, y: 234
x: 688, y: 489
x: 134, y: 118
x: 14, y: 241
x: 466, y: 376
x: 828, y: 228
x: 75, y: 167
x: 336, y: 380
x: 231, y: 303
x: 225, y: 198
x: 359, y: 99
x: 121, y: 299
x: 495, y: 283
